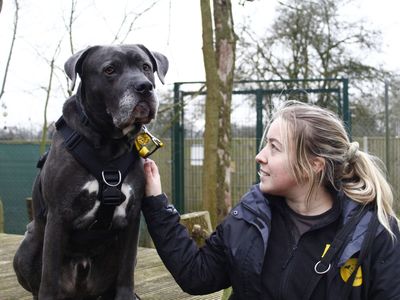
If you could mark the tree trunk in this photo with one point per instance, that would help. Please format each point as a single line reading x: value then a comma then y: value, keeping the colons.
x: 219, y: 65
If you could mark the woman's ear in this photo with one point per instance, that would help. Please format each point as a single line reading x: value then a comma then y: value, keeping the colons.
x: 318, y: 164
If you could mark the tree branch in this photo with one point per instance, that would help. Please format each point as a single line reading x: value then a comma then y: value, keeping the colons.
x: 16, y: 18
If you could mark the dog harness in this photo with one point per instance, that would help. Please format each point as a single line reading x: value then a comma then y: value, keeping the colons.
x: 109, y: 174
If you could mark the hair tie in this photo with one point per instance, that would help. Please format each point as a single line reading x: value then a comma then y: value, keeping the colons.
x: 352, y: 152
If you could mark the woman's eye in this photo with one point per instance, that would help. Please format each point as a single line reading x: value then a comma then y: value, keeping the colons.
x: 146, y: 68
x: 109, y: 70
x: 274, y: 147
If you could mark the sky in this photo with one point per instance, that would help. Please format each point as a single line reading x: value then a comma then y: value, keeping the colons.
x: 172, y: 27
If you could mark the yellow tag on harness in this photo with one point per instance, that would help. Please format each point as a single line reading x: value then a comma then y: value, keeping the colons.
x: 146, y: 143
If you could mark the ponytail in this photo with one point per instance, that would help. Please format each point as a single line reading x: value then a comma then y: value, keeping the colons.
x: 364, y: 181
x: 317, y: 132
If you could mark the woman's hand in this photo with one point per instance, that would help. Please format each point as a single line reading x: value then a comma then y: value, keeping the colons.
x: 152, y: 176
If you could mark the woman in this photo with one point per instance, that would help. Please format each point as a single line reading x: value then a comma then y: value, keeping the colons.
x: 319, y: 225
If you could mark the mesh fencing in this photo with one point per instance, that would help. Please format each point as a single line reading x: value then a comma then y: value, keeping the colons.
x: 17, y: 172
x: 18, y: 160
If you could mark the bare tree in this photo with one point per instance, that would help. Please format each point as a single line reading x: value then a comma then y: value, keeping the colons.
x: 48, y: 90
x: 72, y: 18
x: 219, y: 47
x: 10, y: 53
x: 308, y: 39
x: 68, y: 36
x: 121, y: 35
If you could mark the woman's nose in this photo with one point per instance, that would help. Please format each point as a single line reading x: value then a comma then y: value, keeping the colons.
x: 261, y: 157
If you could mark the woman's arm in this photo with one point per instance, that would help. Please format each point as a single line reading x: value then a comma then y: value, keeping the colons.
x: 197, y: 270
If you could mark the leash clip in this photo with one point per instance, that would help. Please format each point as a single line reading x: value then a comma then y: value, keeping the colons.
x: 146, y: 143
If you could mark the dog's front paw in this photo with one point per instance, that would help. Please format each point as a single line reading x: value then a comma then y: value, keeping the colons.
x: 125, y: 293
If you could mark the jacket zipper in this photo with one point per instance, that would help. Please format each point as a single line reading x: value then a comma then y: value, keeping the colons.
x: 291, y: 255
x: 286, y: 267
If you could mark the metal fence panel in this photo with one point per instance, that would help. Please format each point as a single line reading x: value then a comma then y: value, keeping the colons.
x: 18, y: 161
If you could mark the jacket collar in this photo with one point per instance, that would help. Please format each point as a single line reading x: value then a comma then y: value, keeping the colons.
x: 256, y: 204
x: 350, y: 207
x: 254, y: 209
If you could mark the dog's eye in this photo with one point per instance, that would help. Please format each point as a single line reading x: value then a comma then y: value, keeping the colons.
x: 109, y: 70
x: 146, y: 68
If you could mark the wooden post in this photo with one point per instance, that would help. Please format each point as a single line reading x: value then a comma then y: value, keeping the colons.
x: 1, y: 217
x: 29, y: 208
x: 198, y: 225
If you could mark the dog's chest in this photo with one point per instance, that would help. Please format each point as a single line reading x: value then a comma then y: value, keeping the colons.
x: 89, y: 194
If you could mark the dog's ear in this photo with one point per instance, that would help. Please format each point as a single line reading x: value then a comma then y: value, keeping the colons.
x: 160, y: 62
x: 162, y: 65
x: 73, y: 65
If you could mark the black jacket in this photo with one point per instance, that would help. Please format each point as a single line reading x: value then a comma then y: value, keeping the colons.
x: 235, y: 253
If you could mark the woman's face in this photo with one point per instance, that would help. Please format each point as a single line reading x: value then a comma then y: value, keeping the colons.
x: 276, y: 177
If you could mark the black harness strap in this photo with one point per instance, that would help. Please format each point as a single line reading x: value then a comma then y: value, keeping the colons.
x: 40, y: 209
x: 324, y: 265
x: 110, y: 174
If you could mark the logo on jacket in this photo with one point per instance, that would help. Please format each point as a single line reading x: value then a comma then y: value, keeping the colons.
x: 348, y: 268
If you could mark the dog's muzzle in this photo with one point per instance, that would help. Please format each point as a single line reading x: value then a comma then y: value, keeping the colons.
x: 132, y: 110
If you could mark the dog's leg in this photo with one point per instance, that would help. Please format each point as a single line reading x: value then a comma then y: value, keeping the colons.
x: 125, y: 278
x: 27, y: 260
x: 54, y: 242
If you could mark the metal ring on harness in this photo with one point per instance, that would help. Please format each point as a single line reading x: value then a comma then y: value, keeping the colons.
x: 111, y: 184
x: 321, y: 272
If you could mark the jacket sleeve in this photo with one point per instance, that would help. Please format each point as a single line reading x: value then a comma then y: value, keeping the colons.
x: 196, y: 270
x: 385, y: 269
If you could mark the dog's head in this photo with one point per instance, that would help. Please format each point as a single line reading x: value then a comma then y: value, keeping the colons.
x: 117, y: 84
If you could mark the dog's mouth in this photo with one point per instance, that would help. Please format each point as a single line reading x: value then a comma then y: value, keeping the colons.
x: 132, y: 113
x: 143, y: 113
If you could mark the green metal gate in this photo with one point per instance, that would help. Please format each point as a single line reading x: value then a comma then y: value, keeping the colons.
x: 182, y: 142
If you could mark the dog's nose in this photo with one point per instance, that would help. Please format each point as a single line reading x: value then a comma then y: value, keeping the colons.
x: 143, y: 87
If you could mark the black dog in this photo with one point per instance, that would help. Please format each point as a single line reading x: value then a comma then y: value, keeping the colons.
x: 82, y: 242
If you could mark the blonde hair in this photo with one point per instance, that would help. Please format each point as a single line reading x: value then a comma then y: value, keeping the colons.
x: 317, y: 132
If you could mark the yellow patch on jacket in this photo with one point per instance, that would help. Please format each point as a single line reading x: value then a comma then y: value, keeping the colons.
x: 348, y: 268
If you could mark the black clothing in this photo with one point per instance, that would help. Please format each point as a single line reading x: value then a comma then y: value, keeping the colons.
x: 300, y: 224
x: 290, y: 259
x: 236, y: 254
